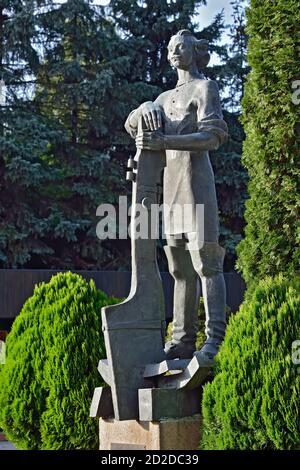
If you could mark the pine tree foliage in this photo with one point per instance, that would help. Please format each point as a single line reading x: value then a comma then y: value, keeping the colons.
x: 147, y: 27
x: 73, y: 71
x: 22, y: 135
x: 56, y: 133
x: 79, y: 83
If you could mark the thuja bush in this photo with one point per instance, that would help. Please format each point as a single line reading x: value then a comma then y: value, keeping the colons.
x: 253, y: 401
x: 47, y: 382
x: 271, y: 116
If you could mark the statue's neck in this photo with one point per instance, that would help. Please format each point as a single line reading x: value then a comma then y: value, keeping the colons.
x: 188, y: 75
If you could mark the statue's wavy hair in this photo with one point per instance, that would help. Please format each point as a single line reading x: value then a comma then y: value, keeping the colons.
x: 200, y: 47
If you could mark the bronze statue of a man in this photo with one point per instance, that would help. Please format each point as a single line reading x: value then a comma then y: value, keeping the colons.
x: 192, y: 123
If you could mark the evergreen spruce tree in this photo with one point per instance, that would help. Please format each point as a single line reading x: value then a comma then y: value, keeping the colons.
x: 271, y: 119
x: 78, y: 70
x: 79, y: 92
x: 148, y: 27
x: 23, y: 136
x: 63, y: 73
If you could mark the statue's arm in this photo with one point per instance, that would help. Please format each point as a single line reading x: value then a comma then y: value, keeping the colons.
x: 192, y: 142
x: 210, y: 117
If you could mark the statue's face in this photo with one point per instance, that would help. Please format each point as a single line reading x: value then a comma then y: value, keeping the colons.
x: 180, y: 52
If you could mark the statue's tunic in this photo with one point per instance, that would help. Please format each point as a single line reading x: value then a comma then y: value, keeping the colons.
x: 188, y: 176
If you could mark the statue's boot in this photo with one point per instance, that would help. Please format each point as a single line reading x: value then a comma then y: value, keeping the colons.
x: 185, y: 318
x: 208, y: 263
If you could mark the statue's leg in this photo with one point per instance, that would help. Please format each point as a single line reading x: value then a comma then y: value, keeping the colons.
x: 208, y: 263
x: 185, y: 318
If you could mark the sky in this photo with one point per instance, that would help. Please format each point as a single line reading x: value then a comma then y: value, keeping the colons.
x: 206, y: 15
x: 208, y: 12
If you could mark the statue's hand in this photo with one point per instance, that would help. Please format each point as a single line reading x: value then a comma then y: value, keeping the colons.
x: 151, y: 141
x: 152, y: 115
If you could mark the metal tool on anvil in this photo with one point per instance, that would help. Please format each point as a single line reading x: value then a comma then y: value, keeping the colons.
x: 134, y: 329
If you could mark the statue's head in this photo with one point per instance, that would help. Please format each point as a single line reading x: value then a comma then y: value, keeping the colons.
x: 184, y: 50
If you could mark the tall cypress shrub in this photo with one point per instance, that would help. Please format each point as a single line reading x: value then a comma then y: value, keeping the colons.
x: 47, y: 382
x: 253, y: 401
x: 272, y: 147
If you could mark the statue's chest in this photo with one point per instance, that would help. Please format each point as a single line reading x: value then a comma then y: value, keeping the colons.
x: 180, y: 111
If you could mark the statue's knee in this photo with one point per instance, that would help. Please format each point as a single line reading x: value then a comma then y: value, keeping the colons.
x: 179, y: 263
x: 208, y: 261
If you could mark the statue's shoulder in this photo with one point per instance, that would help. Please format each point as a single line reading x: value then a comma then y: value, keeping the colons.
x: 161, y: 98
x: 206, y: 86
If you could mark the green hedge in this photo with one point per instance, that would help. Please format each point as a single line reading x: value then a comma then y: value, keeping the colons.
x: 254, y: 399
x: 50, y: 373
x: 272, y: 147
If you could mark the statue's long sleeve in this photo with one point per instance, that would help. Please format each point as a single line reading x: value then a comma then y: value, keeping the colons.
x: 209, y: 115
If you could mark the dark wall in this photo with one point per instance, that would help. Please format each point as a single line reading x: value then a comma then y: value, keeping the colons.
x: 16, y: 285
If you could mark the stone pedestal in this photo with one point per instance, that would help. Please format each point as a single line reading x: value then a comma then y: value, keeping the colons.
x: 169, y: 434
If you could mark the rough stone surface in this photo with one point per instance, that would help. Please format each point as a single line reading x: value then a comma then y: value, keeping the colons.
x: 170, y: 434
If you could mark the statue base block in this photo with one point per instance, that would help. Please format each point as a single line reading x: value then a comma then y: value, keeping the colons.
x: 169, y: 434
